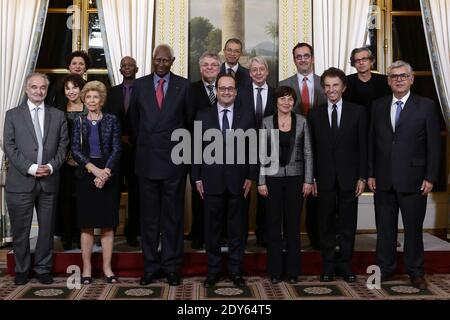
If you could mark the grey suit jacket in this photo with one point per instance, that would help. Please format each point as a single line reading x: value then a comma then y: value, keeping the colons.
x: 300, y: 151
x: 21, y: 147
x: 319, y: 95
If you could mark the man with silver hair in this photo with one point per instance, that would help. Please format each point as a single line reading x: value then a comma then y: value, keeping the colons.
x: 404, y: 153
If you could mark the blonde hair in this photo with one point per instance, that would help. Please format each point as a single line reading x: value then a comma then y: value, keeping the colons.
x: 94, y: 86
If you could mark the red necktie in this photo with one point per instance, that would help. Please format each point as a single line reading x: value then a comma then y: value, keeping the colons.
x: 160, y: 93
x: 305, y: 97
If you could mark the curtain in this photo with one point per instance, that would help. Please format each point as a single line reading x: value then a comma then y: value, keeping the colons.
x: 22, y: 25
x: 338, y: 27
x: 127, y: 30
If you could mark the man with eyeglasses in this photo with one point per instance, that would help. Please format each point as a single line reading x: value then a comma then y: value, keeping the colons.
x: 159, y: 105
x: 203, y: 95
x: 231, y: 66
x: 223, y: 186
x: 365, y: 86
x: 311, y: 95
x: 118, y: 103
x: 404, y: 153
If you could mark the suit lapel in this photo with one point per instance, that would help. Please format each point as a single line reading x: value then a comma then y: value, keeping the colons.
x: 325, y: 123
x: 28, y: 122
x: 215, y: 117
x: 236, y: 116
x: 345, y: 118
x: 386, y: 114
x: 409, y: 105
x: 47, y: 121
x: 269, y: 104
x: 316, y: 91
x: 293, y: 136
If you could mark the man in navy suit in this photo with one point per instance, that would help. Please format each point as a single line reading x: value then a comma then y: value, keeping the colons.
x: 159, y: 105
x: 404, y: 151
x: 231, y: 66
x: 225, y: 186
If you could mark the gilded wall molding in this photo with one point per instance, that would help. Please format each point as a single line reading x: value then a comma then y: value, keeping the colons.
x: 295, y: 25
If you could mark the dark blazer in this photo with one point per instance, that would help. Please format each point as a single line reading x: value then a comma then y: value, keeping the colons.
x: 198, y: 97
x: 404, y: 158
x: 242, y: 75
x: 345, y: 156
x: 320, y: 98
x: 217, y: 178
x: 115, y: 105
x: 109, y: 135
x: 21, y: 147
x: 247, y: 99
x: 153, y: 127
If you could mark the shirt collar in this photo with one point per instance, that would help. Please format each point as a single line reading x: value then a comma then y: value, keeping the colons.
x: 220, y: 108
x: 235, y: 68
x: 264, y: 86
x: 309, y: 76
x: 166, y: 77
x: 31, y: 105
x: 338, y: 104
x: 404, y: 99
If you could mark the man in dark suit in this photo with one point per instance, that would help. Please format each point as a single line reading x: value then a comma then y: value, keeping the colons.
x: 118, y: 103
x: 404, y: 151
x: 339, y: 137
x: 35, y: 143
x: 224, y: 186
x: 231, y: 66
x: 202, y: 96
x: 258, y: 97
x: 159, y: 105
x: 310, y: 95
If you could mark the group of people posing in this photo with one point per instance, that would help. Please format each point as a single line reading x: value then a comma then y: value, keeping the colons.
x: 336, y: 135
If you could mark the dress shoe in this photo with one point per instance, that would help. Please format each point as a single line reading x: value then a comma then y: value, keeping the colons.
x: 237, y: 280
x: 197, y: 244
x: 45, y: 278
x: 419, y: 282
x: 86, y: 280
x: 348, y: 276
x: 133, y: 241
x: 292, y: 280
x: 326, y: 278
x: 21, y: 278
x: 173, y: 279
x: 275, y: 280
x: 147, y: 278
x: 211, y: 280
x: 112, y: 279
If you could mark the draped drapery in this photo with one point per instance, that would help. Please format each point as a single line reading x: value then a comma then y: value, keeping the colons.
x: 22, y: 24
x: 338, y: 27
x: 127, y: 30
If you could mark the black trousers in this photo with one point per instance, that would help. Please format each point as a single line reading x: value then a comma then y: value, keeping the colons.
x: 132, y: 186
x: 343, y: 223
x: 197, y: 225
x: 413, y: 208
x: 217, y: 208
x: 312, y: 220
x: 283, y: 209
x: 162, y: 213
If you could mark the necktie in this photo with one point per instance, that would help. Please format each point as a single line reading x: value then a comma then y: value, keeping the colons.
x: 397, y: 112
x: 160, y: 93
x: 225, y: 123
x: 231, y: 72
x: 211, y: 95
x: 305, y: 97
x: 259, y: 108
x: 37, y: 130
x: 126, y: 97
x: 334, y: 122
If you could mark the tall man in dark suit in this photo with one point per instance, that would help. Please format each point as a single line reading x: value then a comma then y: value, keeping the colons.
x: 224, y: 186
x: 35, y: 142
x: 339, y: 137
x: 404, y: 150
x: 202, y: 96
x: 118, y: 103
x: 307, y: 87
x: 258, y: 97
x: 231, y: 66
x: 159, y: 105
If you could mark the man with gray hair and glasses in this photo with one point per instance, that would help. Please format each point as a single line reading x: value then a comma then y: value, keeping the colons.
x: 404, y: 153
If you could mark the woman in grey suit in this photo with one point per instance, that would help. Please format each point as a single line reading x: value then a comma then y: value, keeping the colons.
x: 285, y: 190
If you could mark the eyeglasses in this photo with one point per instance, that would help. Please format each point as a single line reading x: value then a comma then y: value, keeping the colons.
x: 399, y: 77
x: 365, y: 59
x: 162, y: 60
x: 207, y: 65
x: 236, y: 51
x: 303, y: 56
x: 225, y: 89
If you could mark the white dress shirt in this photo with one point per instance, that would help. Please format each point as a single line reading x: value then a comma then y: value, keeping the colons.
x: 264, y: 92
x: 41, y: 115
x: 235, y: 68
x: 310, y: 84
x: 394, y: 107
x: 229, y: 115
x: 338, y: 109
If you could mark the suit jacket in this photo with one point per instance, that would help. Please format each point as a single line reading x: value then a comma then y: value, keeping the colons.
x: 247, y: 99
x: 115, y: 105
x: 152, y: 128
x: 217, y: 178
x: 21, y: 147
x: 343, y: 157
x: 404, y: 158
x: 198, y: 97
x: 320, y: 98
x: 242, y: 75
x: 110, y: 145
x: 300, y: 150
